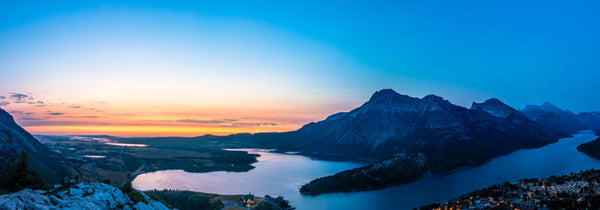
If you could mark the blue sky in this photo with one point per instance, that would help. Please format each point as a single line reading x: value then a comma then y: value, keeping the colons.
x: 299, y: 57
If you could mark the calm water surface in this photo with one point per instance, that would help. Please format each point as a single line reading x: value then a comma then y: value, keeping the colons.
x: 282, y: 174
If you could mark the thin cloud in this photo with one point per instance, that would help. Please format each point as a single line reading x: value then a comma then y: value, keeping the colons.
x: 56, y: 113
x: 59, y: 123
x: 35, y: 102
x: 19, y: 96
x: 31, y: 118
x: 88, y: 117
x: 248, y: 124
x: 74, y: 107
x: 2, y: 97
x: 95, y: 109
x: 4, y: 103
x: 16, y: 112
x: 205, y: 121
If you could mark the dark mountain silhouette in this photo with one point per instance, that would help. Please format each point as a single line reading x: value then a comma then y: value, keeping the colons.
x: 562, y: 120
x: 445, y: 137
x: 14, y: 139
x: 392, y: 123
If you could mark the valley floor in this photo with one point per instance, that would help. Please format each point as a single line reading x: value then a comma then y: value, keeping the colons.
x: 103, y: 159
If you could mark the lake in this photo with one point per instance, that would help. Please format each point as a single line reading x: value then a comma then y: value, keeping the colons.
x: 283, y: 174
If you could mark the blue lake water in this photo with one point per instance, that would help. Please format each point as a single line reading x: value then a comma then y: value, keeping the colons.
x: 283, y: 174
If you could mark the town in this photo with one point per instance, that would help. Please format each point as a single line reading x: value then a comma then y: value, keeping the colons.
x: 573, y: 191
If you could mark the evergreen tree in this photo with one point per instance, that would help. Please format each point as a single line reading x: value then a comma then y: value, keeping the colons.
x: 19, y: 176
x: 133, y: 194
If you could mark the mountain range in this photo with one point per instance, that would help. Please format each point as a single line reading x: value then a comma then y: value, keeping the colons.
x: 444, y: 136
x: 562, y: 120
x: 391, y: 123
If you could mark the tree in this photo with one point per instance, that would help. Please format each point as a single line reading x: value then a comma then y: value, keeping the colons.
x: 133, y: 194
x: 19, y: 176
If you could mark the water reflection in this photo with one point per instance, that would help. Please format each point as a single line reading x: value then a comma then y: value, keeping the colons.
x: 126, y: 145
x: 275, y: 174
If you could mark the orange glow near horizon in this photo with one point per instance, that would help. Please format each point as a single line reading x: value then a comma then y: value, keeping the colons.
x: 132, y: 118
x: 145, y: 131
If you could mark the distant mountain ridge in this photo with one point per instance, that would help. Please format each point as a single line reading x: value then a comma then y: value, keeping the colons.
x: 14, y: 139
x: 562, y: 120
x: 444, y: 136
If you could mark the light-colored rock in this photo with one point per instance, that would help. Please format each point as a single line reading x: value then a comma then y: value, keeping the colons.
x: 26, y: 199
x: 81, y: 196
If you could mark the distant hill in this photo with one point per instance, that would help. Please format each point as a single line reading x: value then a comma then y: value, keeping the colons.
x: 14, y: 139
x: 562, y: 120
x: 445, y: 136
x: 591, y: 119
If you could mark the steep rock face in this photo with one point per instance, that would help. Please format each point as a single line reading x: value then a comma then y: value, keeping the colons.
x: 391, y: 123
x: 555, y: 118
x: 81, y: 196
x: 14, y: 139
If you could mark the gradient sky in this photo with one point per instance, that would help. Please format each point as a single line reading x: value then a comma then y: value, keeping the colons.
x: 221, y: 67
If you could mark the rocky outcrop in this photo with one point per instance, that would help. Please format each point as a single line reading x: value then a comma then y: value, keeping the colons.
x: 80, y: 196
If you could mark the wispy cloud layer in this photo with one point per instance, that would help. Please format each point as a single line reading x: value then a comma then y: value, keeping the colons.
x: 19, y: 98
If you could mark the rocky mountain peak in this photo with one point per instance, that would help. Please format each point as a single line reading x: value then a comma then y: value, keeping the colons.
x: 548, y: 105
x: 386, y: 96
x: 494, y: 102
x: 434, y: 99
x: 494, y: 107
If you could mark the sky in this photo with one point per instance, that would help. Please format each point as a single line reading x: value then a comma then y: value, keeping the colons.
x: 177, y: 68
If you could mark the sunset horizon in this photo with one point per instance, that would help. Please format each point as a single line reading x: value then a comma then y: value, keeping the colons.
x: 188, y: 69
